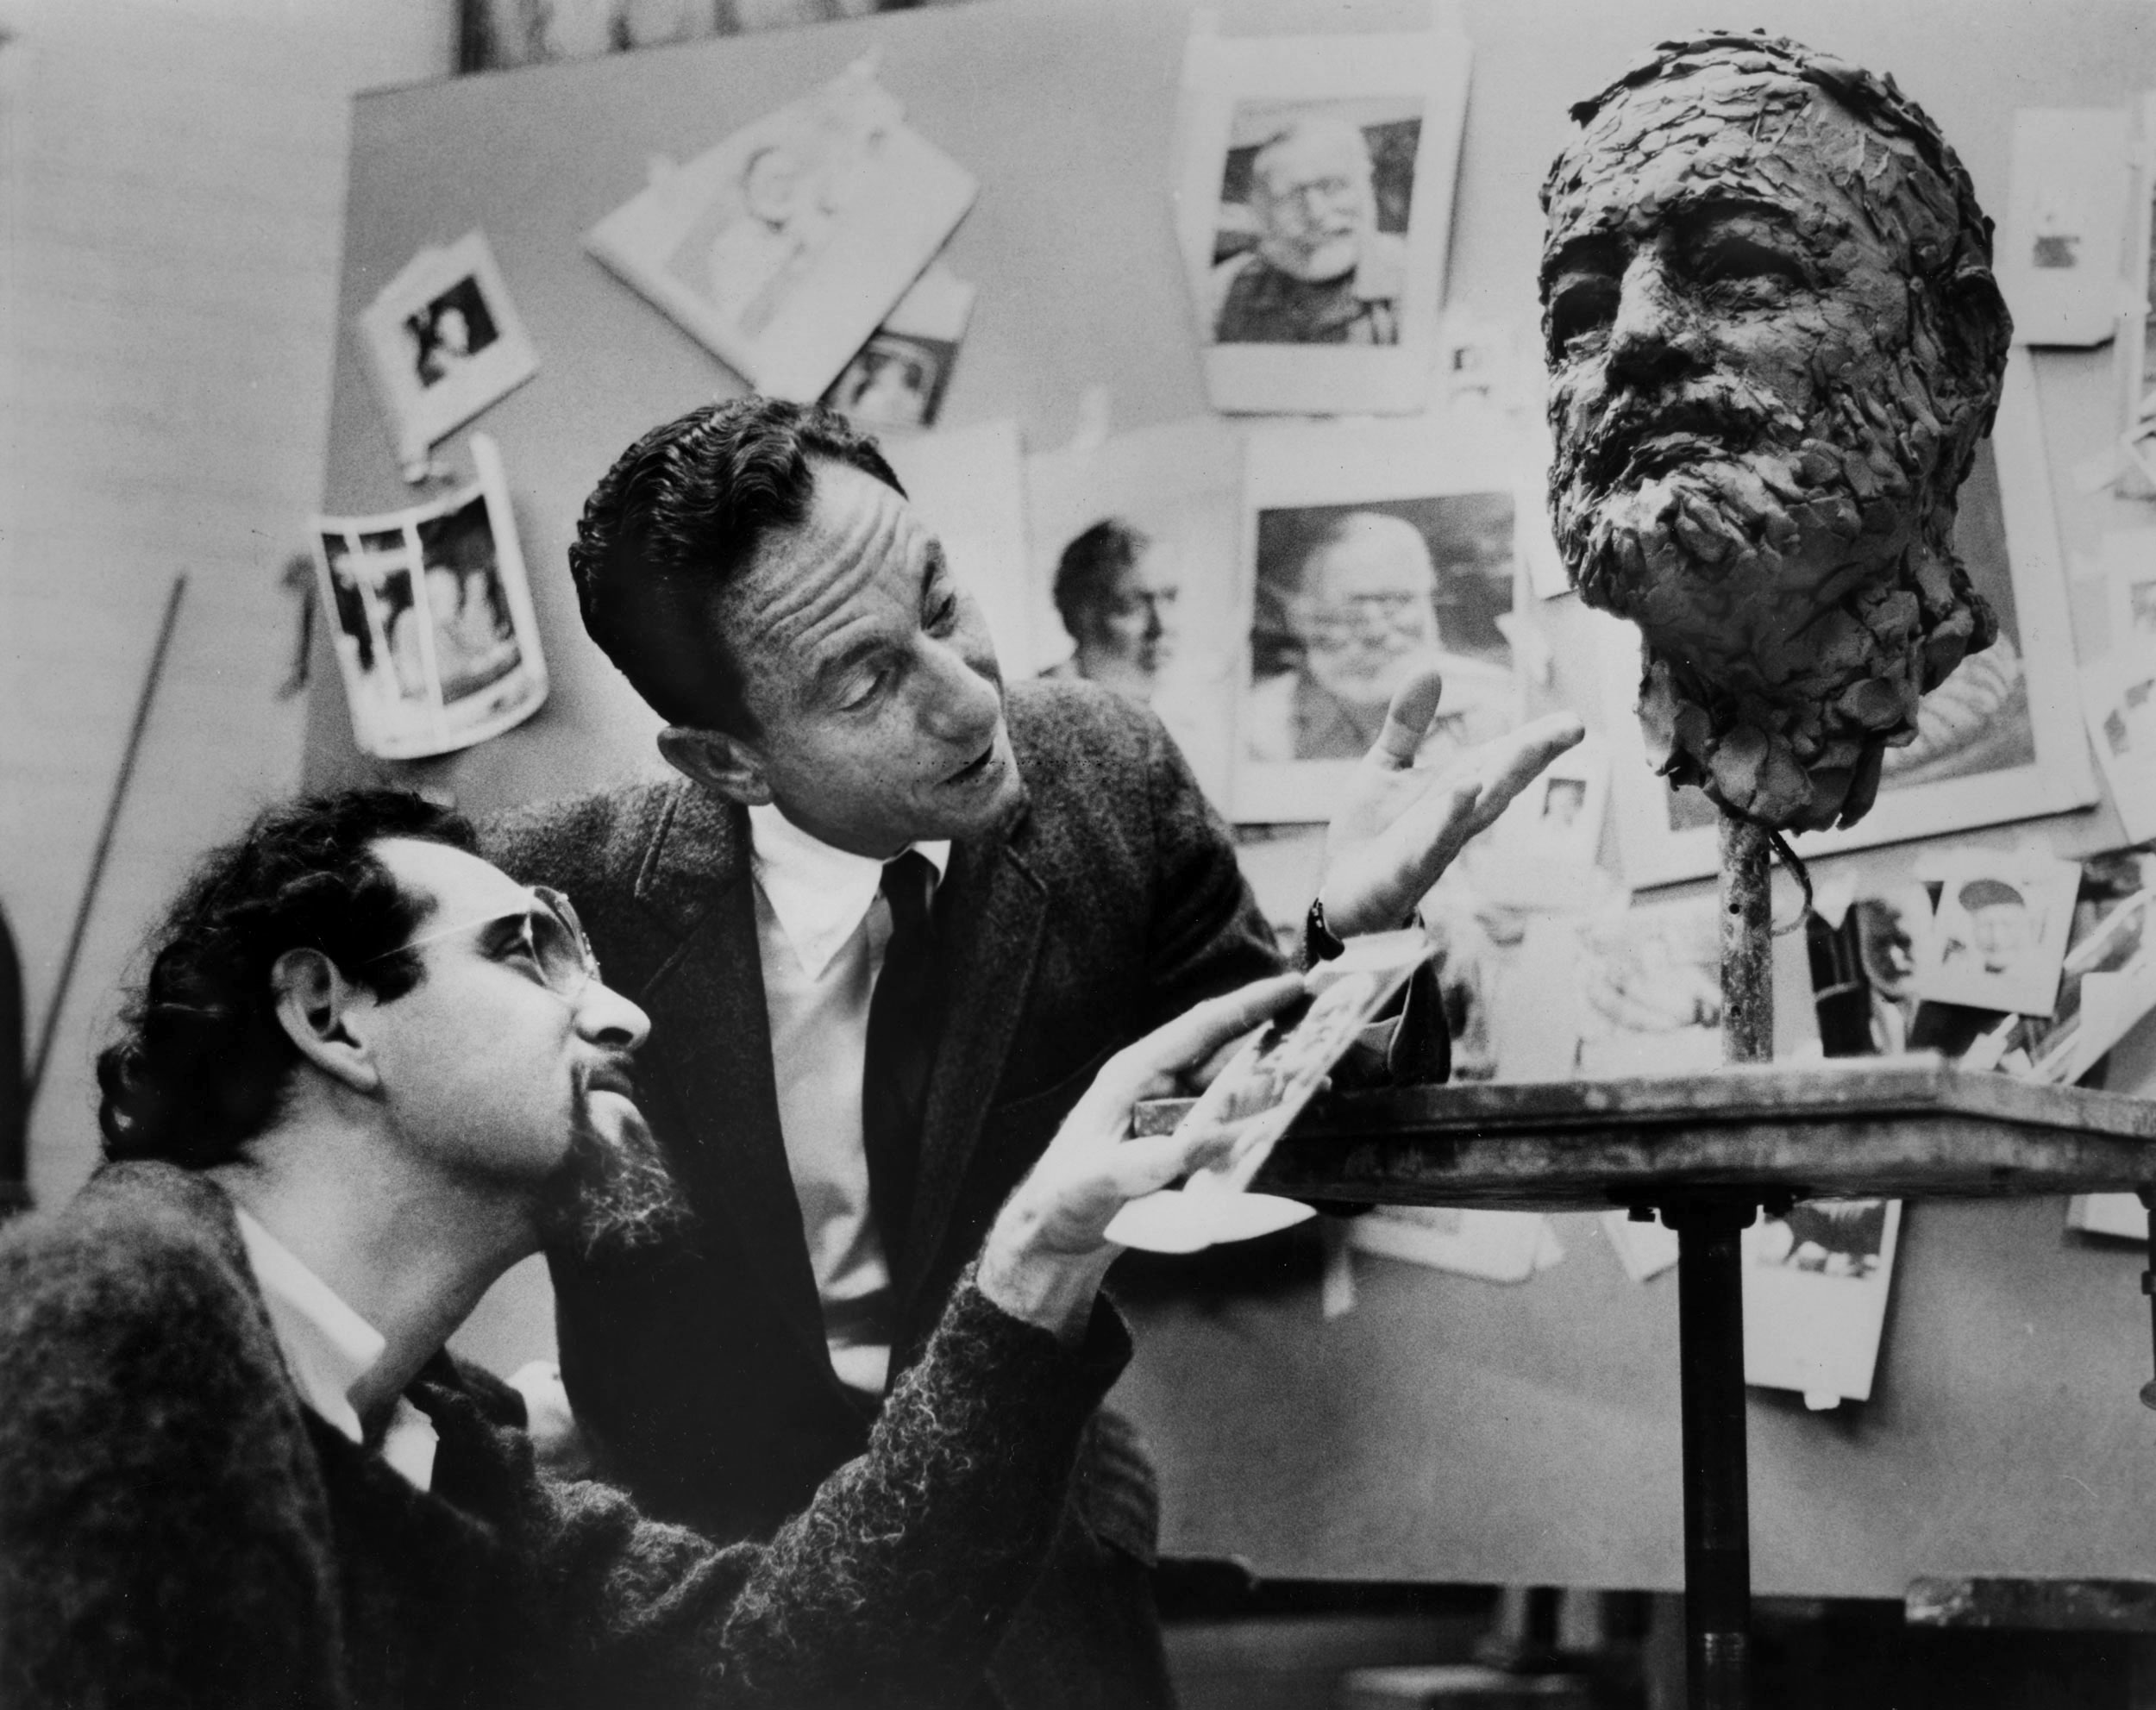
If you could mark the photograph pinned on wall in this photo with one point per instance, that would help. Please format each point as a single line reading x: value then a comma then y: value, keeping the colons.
x: 1494, y: 1246
x: 1999, y: 740
x: 1371, y: 548
x: 1815, y: 1283
x: 2062, y: 251
x: 432, y: 621
x: 1488, y: 364
x: 1650, y: 990
x: 2107, y: 983
x: 443, y: 343
x: 783, y: 247
x: 1134, y: 576
x: 1541, y: 853
x: 2135, y: 348
x: 1998, y: 936
x: 897, y: 378
x: 2126, y: 562
x: 1258, y: 1096
x: 2122, y: 1216
x: 2118, y: 697
x: 968, y: 485
x: 1314, y: 203
x: 1864, y: 952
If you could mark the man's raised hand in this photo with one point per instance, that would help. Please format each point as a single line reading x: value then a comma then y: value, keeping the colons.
x: 1401, y: 826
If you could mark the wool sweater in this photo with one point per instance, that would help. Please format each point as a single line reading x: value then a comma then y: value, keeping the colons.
x: 177, y: 1530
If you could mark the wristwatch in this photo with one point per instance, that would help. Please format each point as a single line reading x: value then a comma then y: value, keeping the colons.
x: 1320, y: 942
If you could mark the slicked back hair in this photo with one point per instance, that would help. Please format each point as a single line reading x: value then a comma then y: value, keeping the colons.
x: 675, y: 522
x: 202, y: 1061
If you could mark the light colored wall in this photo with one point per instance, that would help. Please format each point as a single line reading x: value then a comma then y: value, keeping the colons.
x: 171, y: 198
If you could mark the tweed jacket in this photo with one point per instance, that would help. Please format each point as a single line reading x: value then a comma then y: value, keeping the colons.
x: 1109, y: 903
x: 177, y: 1530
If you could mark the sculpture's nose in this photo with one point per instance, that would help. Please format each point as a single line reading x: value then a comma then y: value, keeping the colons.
x: 1650, y: 339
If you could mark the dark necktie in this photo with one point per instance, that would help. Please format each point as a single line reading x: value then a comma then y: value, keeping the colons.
x: 904, y: 1015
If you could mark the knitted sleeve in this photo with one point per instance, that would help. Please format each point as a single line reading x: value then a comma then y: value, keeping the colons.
x: 163, y: 1538
x: 893, y: 1586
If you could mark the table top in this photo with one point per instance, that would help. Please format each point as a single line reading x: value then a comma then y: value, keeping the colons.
x: 1910, y: 1126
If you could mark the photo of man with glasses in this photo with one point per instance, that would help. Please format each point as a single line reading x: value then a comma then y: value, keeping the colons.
x: 1352, y: 599
x: 1326, y: 254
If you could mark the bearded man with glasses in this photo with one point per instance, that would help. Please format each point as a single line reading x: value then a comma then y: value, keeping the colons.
x: 367, y: 1072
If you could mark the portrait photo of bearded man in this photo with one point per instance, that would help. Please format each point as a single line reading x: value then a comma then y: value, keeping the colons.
x: 1775, y: 343
x: 1322, y: 268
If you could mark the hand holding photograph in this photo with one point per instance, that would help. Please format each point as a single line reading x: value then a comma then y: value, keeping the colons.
x: 1258, y: 1096
x: 782, y: 247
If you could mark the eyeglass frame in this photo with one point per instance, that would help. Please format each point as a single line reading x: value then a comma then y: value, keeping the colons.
x: 537, y: 897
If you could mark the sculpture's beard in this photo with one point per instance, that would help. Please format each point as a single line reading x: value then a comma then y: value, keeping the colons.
x: 612, y: 1192
x: 1792, y: 580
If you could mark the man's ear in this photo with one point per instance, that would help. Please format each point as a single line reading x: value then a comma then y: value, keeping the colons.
x: 315, y: 1004
x: 719, y: 761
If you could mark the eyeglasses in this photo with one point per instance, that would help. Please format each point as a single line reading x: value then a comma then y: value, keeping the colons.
x: 550, y: 934
x: 1369, y: 614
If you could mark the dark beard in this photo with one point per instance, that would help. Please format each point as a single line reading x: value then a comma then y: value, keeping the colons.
x: 1793, y: 582
x: 610, y: 1197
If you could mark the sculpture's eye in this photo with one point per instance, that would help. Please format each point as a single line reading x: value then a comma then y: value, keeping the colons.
x: 1734, y: 256
x: 1580, y: 305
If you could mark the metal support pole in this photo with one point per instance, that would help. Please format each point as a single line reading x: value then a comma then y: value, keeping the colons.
x: 1711, y: 1318
x: 1747, y: 943
x: 1717, y: 1504
x: 2149, y: 1287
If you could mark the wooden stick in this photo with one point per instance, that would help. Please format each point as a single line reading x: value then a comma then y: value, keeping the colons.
x: 104, y: 849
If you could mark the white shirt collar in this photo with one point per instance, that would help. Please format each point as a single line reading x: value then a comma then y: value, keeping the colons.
x: 819, y: 894
x: 328, y: 1348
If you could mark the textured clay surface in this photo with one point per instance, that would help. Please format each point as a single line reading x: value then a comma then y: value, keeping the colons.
x: 1774, y: 342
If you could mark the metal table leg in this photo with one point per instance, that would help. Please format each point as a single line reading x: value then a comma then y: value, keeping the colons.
x: 1717, y: 1517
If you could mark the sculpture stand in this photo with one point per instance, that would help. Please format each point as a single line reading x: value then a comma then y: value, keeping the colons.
x: 1708, y: 1150
x: 1711, y: 1315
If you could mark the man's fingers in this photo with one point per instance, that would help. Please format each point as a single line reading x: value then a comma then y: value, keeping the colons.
x: 1153, y: 1160
x: 1197, y: 1033
x: 1415, y: 704
x: 1519, y: 759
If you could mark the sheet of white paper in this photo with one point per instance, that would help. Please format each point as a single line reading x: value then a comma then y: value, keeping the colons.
x: 1815, y: 1296
x: 1496, y: 1246
x: 1646, y: 1249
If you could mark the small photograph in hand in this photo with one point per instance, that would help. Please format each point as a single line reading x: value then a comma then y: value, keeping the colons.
x: 1258, y: 1096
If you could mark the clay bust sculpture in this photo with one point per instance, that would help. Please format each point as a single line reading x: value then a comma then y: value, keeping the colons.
x: 1775, y: 342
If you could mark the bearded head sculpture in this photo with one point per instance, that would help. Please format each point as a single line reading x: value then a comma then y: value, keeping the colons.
x: 1775, y: 343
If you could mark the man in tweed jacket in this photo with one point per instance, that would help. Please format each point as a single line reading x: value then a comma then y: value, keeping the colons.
x: 756, y: 571
x: 367, y: 1072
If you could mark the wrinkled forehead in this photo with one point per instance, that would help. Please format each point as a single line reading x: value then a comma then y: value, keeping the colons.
x: 1720, y: 136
